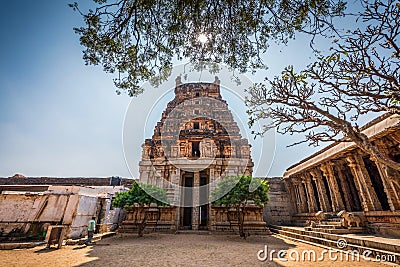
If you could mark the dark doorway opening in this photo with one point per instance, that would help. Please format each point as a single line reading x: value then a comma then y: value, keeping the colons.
x: 341, y: 186
x: 187, y: 217
x: 203, y: 194
x: 355, y: 201
x: 377, y: 182
x: 328, y: 193
x: 305, y: 191
x: 396, y: 158
x: 188, y: 201
x: 195, y: 149
x: 314, y: 187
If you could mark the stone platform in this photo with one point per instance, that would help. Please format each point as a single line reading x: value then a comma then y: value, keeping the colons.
x: 378, y: 245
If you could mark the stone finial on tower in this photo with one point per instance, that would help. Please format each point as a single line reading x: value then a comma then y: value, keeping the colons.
x: 217, y: 80
x: 178, y: 80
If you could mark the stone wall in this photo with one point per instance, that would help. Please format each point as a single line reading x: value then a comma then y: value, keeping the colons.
x: 226, y: 220
x: 159, y: 219
x: 279, y: 208
x: 89, y: 181
x: 71, y: 206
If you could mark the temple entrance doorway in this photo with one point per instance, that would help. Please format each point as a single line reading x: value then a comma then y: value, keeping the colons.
x: 195, y: 212
x: 187, y: 194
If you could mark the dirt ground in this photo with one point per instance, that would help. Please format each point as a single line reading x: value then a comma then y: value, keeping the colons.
x: 175, y: 250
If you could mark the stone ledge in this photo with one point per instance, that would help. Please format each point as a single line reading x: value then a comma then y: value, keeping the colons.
x: 379, y: 245
x: 9, y: 246
x: 81, y: 241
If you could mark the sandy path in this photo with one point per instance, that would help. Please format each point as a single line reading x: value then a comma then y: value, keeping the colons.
x: 169, y: 250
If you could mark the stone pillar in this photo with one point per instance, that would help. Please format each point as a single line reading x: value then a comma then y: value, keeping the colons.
x: 322, y: 196
x: 143, y: 175
x: 299, y: 206
x: 213, y: 184
x: 176, y: 183
x: 196, y: 197
x: 345, y: 188
x: 301, y: 199
x: 295, y: 186
x: 312, y: 203
x: 292, y: 194
x: 337, y: 202
x: 159, y: 177
x: 370, y: 201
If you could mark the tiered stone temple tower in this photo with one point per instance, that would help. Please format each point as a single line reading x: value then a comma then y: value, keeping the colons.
x: 195, y: 144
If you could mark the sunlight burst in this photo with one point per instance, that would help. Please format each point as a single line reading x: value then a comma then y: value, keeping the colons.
x: 202, y: 38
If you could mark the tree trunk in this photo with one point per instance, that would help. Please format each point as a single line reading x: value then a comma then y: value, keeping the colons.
x: 240, y: 214
x: 142, y: 224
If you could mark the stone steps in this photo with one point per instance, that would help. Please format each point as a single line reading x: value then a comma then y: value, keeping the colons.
x: 331, y: 241
x: 328, y: 226
x: 129, y: 227
x: 337, y: 231
x: 331, y: 222
x: 193, y: 232
x: 334, y: 220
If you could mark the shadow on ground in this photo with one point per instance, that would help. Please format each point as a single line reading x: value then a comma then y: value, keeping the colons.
x: 45, y: 250
x: 184, y: 250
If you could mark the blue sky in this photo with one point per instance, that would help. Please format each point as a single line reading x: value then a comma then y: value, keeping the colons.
x: 61, y: 118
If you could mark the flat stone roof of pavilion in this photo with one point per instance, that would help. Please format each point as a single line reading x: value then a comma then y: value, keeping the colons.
x: 373, y: 129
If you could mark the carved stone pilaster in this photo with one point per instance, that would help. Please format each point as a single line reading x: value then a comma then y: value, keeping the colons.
x: 312, y: 204
x: 370, y: 201
x: 303, y: 197
x: 196, y: 197
x: 213, y: 183
x: 322, y: 196
x: 292, y: 194
x: 336, y: 199
x: 299, y: 195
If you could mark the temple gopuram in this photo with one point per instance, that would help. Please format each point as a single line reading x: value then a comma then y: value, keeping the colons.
x: 195, y: 145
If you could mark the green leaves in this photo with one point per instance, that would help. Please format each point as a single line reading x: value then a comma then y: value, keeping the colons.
x: 325, y: 102
x: 234, y: 191
x: 138, y: 39
x: 141, y: 194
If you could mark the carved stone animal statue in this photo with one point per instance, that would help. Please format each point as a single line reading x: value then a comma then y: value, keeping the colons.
x: 319, y: 216
x: 349, y: 219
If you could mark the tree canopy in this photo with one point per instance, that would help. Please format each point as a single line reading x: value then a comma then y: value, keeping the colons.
x: 138, y: 39
x: 326, y: 100
x: 139, y: 199
x: 240, y: 195
x: 141, y: 195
